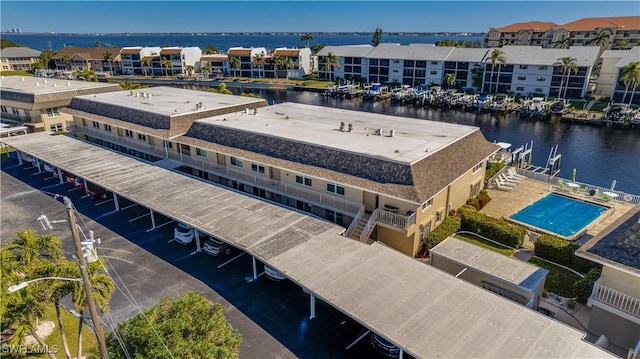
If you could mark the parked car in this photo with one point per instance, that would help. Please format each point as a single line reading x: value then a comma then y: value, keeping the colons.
x: 384, y: 347
x: 49, y: 168
x: 96, y: 192
x: 216, y: 247
x: 273, y: 273
x: 184, y: 234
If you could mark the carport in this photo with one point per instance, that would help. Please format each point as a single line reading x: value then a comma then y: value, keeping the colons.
x: 418, y: 308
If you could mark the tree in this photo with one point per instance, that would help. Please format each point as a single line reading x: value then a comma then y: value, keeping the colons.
x: 630, y: 75
x: 7, y: 43
x: 497, y: 55
x: 307, y: 37
x: 144, y: 62
x: 107, y: 56
x: 206, y: 68
x: 166, y: 63
x: 377, y: 37
x: 329, y: 61
x: 258, y: 61
x: 288, y: 64
x: 87, y: 74
x: 234, y: 63
x: 567, y: 65
x: 450, y: 78
x: 562, y: 43
x: 278, y: 61
x: 97, y: 44
x: 316, y: 48
x: 66, y: 60
x: 600, y: 38
x: 211, y: 49
x: 189, y: 69
x: 621, y: 44
x: 188, y: 326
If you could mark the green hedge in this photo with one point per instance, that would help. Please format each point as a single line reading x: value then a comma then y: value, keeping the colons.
x: 447, y: 228
x: 583, y: 287
x: 493, y: 169
x: 496, y: 229
x: 560, y: 251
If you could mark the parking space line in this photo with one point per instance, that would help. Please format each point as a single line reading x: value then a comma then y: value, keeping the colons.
x: 85, y: 196
x: 127, y: 207
x: 357, y: 340
x: 194, y: 252
x: 231, y: 260
x: 164, y: 224
x: 73, y: 189
x: 103, y: 202
x: 171, y: 240
x: 139, y: 217
x: 50, y: 178
x: 252, y: 279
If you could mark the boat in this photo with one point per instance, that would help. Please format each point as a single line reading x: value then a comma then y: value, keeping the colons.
x: 619, y: 114
x: 559, y: 107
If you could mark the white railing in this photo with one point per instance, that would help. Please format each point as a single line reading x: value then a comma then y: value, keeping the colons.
x: 390, y: 218
x: 129, y: 142
x: 354, y: 223
x: 616, y: 299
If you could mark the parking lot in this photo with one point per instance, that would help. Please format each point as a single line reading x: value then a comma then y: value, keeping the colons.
x: 147, y: 264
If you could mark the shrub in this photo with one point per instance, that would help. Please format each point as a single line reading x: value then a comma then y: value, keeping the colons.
x: 560, y: 251
x: 483, y: 199
x: 448, y: 227
x: 545, y: 293
x: 493, y: 169
x: 571, y: 303
x: 497, y: 229
x: 474, y: 202
x: 583, y: 287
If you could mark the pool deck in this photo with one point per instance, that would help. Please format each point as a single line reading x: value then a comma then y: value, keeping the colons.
x: 504, y: 204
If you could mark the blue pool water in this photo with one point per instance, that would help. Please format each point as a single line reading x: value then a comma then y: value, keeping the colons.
x: 559, y: 214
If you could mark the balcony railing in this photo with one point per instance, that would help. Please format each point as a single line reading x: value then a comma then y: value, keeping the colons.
x: 386, y: 217
x: 616, y: 299
x: 354, y: 223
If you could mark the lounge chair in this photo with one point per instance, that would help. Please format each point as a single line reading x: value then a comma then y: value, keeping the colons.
x: 506, y: 179
x: 502, y: 186
x: 512, y: 173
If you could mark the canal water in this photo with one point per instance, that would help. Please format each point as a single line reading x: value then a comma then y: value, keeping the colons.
x: 599, y: 154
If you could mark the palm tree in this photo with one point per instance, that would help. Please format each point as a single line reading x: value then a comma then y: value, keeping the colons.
x: 234, y: 63
x: 87, y: 74
x: 377, y: 37
x: 96, y: 44
x: 107, y: 56
x: 211, y: 49
x: 307, y: 37
x: 258, y: 61
x: 189, y: 69
x: 278, y: 62
x: 331, y: 60
x: 621, y: 44
x: 66, y: 60
x: 497, y: 55
x: 166, y: 63
x: 630, y: 75
x: 206, y: 68
x: 288, y: 65
x: 567, y: 65
x: 102, y: 288
x: 562, y: 43
x: 144, y: 62
x: 450, y: 78
x: 600, y: 38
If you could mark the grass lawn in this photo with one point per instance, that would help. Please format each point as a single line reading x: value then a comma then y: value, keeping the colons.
x: 599, y: 106
x: 578, y: 104
x: 71, y: 329
x: 559, y: 280
x: 16, y: 73
x: 485, y: 244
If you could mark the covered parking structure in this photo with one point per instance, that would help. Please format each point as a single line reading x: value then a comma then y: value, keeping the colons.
x: 425, y: 312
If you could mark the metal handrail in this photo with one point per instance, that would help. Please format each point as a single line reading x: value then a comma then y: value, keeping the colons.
x: 354, y: 223
x: 393, y: 219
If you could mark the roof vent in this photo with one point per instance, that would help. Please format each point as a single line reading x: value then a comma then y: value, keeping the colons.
x: 342, y: 129
x: 350, y: 128
x: 131, y: 93
x: 37, y: 84
x: 380, y: 132
x: 392, y: 133
x: 53, y: 85
x: 22, y: 79
x: 45, y: 81
x: 68, y: 83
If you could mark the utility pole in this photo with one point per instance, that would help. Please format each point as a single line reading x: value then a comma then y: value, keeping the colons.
x: 102, y: 345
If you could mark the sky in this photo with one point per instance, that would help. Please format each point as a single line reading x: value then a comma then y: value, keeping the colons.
x: 295, y: 16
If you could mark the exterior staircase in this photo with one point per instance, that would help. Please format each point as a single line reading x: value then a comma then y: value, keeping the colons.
x: 360, y: 227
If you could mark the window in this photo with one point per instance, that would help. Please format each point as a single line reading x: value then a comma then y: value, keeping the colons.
x: 167, y: 144
x: 434, y: 72
x: 477, y: 167
x: 257, y: 168
x: 56, y: 127
x: 128, y: 133
x: 95, y: 124
x: 538, y: 89
x: 236, y: 162
x: 544, y: 67
x: 541, y: 78
x: 434, y: 62
x: 438, y: 216
x: 303, y: 180
x: 200, y: 152
x: 524, y: 67
x: 107, y: 127
x: 334, y: 188
x: 52, y: 112
x: 3, y: 109
x: 15, y: 111
x: 475, y: 189
x: 427, y: 204
x: 522, y: 77
x: 520, y: 88
x: 142, y: 137
x: 424, y: 231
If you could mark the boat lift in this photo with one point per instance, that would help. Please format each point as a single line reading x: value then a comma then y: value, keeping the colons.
x: 522, y: 155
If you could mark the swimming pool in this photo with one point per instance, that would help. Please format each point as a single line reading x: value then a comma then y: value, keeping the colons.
x: 558, y: 214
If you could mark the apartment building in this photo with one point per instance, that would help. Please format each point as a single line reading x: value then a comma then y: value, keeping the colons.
x: 301, y: 63
x: 102, y: 60
x: 621, y: 30
x: 467, y: 64
x: 217, y: 64
x: 18, y: 58
x: 352, y: 62
x: 392, y: 185
x: 615, y: 299
x: 35, y: 102
x: 246, y: 66
x: 609, y: 81
x: 137, y: 60
x: 535, y: 71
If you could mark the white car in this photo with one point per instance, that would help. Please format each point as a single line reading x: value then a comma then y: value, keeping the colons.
x: 184, y: 234
x: 273, y: 274
x: 49, y: 168
x: 216, y: 247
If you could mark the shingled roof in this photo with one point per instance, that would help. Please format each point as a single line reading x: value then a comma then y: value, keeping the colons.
x: 87, y: 53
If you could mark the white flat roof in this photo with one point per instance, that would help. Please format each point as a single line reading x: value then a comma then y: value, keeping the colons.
x: 414, y: 139
x: 43, y: 85
x: 495, y: 264
x: 423, y: 310
x: 169, y: 101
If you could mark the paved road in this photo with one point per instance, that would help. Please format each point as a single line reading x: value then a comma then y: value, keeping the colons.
x: 272, y: 316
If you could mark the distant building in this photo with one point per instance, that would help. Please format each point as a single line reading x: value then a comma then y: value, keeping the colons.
x: 247, y: 67
x: 615, y: 299
x: 18, y: 58
x: 581, y: 32
x: 300, y: 65
x: 102, y: 60
x: 609, y: 82
x: 218, y: 64
x: 137, y: 60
